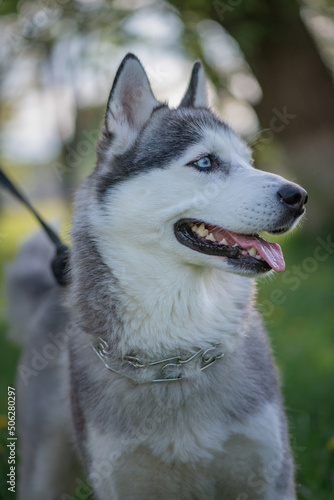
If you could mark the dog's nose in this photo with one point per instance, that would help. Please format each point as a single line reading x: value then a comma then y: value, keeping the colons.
x: 294, y: 197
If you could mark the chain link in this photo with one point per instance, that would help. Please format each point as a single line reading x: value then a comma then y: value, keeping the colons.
x: 206, y: 358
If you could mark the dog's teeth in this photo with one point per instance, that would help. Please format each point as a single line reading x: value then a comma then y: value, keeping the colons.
x: 202, y: 231
x: 210, y: 237
x: 258, y: 256
x: 223, y: 242
x: 252, y: 251
x: 235, y: 245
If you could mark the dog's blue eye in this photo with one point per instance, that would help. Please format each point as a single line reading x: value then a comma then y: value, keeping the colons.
x: 204, y: 162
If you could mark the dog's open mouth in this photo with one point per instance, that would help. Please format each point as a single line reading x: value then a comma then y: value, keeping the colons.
x: 247, y: 252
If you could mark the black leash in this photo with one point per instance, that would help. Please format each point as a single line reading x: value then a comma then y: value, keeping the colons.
x: 60, y: 261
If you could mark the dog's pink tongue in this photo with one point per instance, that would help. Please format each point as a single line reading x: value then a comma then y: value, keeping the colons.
x: 271, y: 252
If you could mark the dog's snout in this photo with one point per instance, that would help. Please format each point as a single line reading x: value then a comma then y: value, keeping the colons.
x: 293, y: 196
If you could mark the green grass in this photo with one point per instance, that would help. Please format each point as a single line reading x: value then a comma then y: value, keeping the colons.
x: 302, y: 335
x: 300, y: 325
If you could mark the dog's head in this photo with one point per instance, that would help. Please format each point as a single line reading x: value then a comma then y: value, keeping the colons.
x: 179, y: 183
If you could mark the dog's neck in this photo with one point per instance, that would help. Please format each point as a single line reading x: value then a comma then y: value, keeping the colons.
x: 168, y: 308
x: 154, y: 310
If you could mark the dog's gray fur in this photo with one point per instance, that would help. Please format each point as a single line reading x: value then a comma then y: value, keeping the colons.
x: 218, y: 434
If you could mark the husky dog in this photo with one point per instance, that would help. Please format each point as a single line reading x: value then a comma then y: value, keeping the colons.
x: 153, y: 367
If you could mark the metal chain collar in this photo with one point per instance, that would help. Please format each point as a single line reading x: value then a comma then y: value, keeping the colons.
x: 205, y: 357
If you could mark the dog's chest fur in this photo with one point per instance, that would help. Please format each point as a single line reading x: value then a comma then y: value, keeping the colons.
x: 206, y: 428
x: 206, y: 453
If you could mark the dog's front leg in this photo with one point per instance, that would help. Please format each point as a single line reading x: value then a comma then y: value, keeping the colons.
x: 105, y: 457
x: 276, y: 484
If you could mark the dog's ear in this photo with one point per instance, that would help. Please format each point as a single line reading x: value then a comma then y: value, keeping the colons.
x: 195, y: 95
x: 131, y: 101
